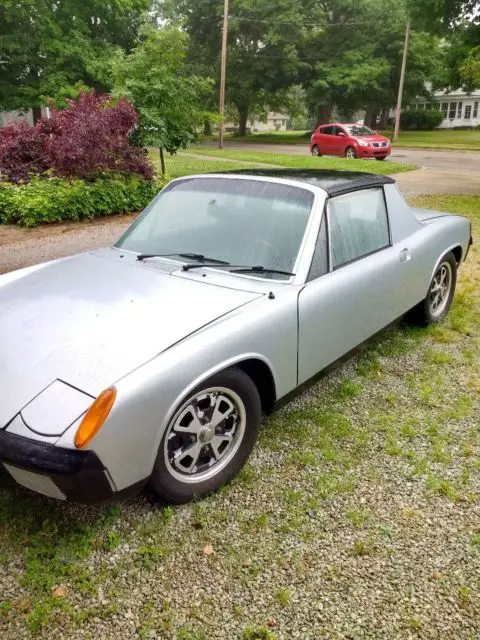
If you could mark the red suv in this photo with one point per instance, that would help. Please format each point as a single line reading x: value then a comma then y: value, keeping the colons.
x: 349, y: 140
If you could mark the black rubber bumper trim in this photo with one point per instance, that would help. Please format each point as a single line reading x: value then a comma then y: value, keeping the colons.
x: 79, y: 475
x: 44, y: 457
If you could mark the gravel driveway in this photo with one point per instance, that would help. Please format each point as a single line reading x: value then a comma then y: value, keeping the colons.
x: 24, y: 247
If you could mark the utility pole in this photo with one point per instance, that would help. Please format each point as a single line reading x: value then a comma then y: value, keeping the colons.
x: 400, y: 86
x: 223, y: 74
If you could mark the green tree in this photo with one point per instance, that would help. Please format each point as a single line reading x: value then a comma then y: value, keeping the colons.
x: 169, y: 99
x: 458, y: 21
x: 47, y: 46
x: 262, y: 48
x: 356, y: 57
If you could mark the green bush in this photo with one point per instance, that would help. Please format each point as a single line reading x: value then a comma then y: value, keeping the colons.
x: 59, y: 199
x: 423, y: 120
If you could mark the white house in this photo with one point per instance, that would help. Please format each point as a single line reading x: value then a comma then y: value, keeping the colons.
x: 273, y: 122
x: 7, y: 117
x: 458, y: 108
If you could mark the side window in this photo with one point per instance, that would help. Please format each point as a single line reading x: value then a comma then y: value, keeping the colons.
x: 358, y: 225
x: 326, y: 131
x: 319, y: 264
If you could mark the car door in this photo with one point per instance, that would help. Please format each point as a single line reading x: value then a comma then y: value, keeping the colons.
x: 351, y: 290
x: 337, y: 141
x: 325, y: 140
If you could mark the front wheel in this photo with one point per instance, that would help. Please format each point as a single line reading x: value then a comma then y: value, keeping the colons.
x: 316, y: 151
x: 440, y: 294
x: 350, y: 153
x: 209, y: 438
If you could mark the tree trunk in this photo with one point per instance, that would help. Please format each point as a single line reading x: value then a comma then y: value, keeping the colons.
x: 37, y: 114
x: 243, y: 121
x: 162, y: 161
x: 368, y: 115
x: 371, y: 116
x: 207, y: 128
x: 324, y: 114
x: 384, y: 118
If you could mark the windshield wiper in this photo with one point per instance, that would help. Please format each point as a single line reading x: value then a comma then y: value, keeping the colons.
x: 238, y: 268
x: 190, y: 256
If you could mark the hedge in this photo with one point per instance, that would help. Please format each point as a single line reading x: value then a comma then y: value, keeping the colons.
x: 421, y: 120
x: 59, y: 199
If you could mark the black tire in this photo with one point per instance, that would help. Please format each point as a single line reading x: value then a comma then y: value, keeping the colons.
x: 423, y: 313
x: 316, y: 151
x: 380, y: 159
x: 175, y: 491
x: 348, y: 151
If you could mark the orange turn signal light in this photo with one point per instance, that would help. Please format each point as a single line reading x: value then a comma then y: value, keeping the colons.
x: 95, y: 417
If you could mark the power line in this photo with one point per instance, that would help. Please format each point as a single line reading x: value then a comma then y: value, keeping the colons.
x: 304, y: 24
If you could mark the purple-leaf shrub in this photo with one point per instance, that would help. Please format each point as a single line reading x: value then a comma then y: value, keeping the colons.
x: 91, y: 137
x: 87, y: 139
x: 22, y: 152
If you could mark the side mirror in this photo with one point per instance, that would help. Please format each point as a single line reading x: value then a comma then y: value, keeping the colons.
x: 340, y: 133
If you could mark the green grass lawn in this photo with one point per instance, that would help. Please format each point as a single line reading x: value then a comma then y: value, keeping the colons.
x: 441, y: 139
x: 185, y: 165
x: 464, y: 205
x: 306, y: 162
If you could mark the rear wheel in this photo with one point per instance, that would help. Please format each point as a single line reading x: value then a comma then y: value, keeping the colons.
x: 440, y: 293
x: 316, y: 151
x: 350, y: 153
x: 209, y: 438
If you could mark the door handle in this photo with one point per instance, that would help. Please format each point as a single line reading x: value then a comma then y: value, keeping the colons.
x: 404, y: 255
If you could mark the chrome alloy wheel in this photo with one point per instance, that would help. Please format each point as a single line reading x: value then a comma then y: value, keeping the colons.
x: 350, y: 153
x: 205, y: 434
x: 439, y: 293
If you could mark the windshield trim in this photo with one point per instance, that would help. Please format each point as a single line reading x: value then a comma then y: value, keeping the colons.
x: 300, y: 273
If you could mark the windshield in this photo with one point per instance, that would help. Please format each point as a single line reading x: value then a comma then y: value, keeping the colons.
x: 358, y: 130
x: 242, y: 222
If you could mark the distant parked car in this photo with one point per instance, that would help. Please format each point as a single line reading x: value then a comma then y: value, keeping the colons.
x: 350, y: 141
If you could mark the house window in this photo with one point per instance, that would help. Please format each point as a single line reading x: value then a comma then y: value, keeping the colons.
x: 453, y: 110
x: 428, y: 106
x: 459, y: 109
x: 475, y: 109
x: 468, y: 111
x: 421, y: 106
x: 444, y: 109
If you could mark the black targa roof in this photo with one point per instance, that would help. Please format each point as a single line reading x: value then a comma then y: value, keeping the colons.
x: 333, y: 182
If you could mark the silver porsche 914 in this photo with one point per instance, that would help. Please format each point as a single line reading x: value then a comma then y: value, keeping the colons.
x: 153, y: 360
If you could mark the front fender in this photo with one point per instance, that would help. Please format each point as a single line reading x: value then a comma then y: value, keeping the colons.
x: 128, y: 442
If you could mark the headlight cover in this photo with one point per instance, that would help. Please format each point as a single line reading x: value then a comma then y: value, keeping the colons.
x: 362, y: 143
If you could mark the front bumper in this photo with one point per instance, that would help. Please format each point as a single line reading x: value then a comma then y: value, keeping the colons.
x: 66, y: 474
x: 374, y: 152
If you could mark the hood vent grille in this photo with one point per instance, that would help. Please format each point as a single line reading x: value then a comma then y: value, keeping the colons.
x: 162, y: 265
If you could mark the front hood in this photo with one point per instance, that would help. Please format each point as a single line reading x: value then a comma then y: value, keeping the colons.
x: 374, y: 138
x: 90, y: 320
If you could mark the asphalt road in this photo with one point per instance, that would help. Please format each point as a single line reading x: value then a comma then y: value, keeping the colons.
x: 440, y: 171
